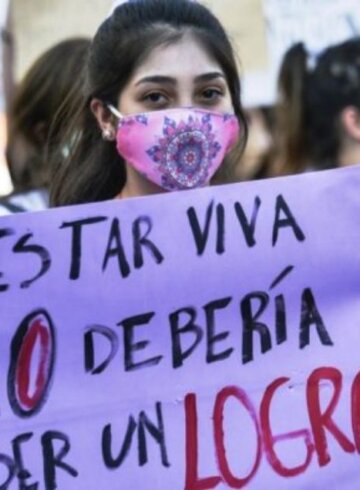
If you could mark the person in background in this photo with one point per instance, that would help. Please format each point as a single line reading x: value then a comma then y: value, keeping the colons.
x: 254, y: 163
x: 49, y: 85
x: 318, y: 112
x: 160, y: 108
x: 6, y: 89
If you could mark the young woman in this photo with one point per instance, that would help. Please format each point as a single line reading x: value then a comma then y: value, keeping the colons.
x: 318, y: 119
x: 38, y: 97
x: 161, y: 106
x: 32, y: 135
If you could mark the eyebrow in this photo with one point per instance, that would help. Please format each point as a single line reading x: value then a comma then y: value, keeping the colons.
x: 206, y: 77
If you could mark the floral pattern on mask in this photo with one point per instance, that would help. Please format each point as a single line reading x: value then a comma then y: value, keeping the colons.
x: 140, y: 118
x: 178, y: 148
x: 185, y: 151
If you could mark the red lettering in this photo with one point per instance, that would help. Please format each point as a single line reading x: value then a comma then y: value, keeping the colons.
x: 221, y: 399
x: 35, y: 330
x: 320, y: 416
x: 270, y: 440
x: 355, y: 410
x: 319, y: 421
x: 193, y: 482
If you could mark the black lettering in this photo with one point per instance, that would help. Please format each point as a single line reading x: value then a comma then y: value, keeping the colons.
x: 36, y: 326
x: 213, y: 338
x: 115, y: 249
x: 141, y: 241
x: 3, y: 287
x: 280, y: 319
x: 156, y: 431
x: 248, y: 228
x: 43, y: 254
x: 288, y: 220
x: 11, y: 470
x: 200, y: 236
x: 52, y: 460
x: 190, y: 327
x: 251, y: 324
x: 106, y: 442
x: 130, y: 347
x: 89, y: 355
x: 283, y: 274
x: 220, y: 240
x: 5, y: 232
x: 76, y: 244
x: 310, y: 316
x: 21, y: 472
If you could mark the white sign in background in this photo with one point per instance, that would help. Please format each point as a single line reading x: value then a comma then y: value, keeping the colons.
x: 317, y: 23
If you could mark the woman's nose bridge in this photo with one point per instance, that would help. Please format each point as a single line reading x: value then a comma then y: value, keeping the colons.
x: 185, y: 98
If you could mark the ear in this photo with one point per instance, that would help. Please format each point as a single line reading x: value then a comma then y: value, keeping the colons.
x: 350, y: 120
x: 104, y: 118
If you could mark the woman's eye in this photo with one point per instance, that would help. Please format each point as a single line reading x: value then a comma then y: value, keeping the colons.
x: 155, y: 97
x: 211, y: 94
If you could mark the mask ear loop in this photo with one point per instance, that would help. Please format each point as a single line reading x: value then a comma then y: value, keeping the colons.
x: 115, y: 112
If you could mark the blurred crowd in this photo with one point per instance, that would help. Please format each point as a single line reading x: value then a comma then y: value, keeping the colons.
x: 313, y: 125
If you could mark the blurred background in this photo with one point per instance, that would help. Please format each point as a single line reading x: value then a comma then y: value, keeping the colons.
x: 262, y: 31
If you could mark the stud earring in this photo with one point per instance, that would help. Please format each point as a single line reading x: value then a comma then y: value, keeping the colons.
x: 108, y: 135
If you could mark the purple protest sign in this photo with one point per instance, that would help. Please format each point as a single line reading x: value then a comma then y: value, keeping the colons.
x: 200, y: 339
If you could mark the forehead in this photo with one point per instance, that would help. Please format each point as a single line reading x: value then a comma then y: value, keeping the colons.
x: 185, y: 57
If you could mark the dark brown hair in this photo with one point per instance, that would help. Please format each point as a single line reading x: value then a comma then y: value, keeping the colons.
x: 311, y: 101
x: 94, y: 170
x: 39, y: 96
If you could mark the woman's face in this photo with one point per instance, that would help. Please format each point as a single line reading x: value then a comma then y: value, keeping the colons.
x: 181, y: 74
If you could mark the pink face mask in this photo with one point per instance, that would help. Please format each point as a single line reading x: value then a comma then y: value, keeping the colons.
x: 176, y: 148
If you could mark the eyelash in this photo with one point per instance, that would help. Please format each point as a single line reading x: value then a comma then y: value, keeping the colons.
x: 217, y: 93
x: 163, y: 98
x: 148, y: 98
